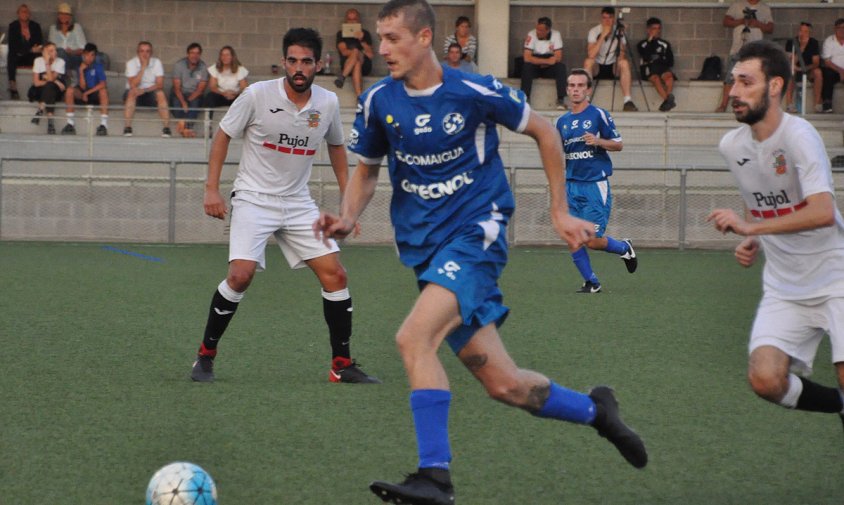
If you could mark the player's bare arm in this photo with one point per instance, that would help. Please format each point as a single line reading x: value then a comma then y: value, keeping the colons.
x: 590, y: 139
x: 214, y: 204
x: 819, y: 212
x: 340, y: 165
x: 358, y: 193
x: 576, y: 232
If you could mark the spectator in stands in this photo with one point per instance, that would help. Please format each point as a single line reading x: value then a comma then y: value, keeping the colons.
x: 833, y: 63
x: 543, y: 57
x: 226, y: 79
x: 190, y: 78
x: 606, y: 54
x: 91, y: 90
x: 656, y: 62
x: 69, y: 38
x: 145, y: 87
x: 750, y: 20
x: 48, y: 75
x: 454, y: 59
x: 808, y: 50
x: 463, y: 37
x: 355, y: 52
x: 25, y: 44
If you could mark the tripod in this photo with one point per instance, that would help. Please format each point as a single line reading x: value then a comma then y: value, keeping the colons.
x: 614, y: 47
x: 797, y: 55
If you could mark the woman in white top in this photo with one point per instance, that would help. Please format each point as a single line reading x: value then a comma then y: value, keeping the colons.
x: 68, y: 36
x: 48, y: 74
x: 226, y: 79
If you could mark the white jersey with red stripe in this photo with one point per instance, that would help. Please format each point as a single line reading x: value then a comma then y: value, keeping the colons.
x: 775, y: 176
x: 280, y: 140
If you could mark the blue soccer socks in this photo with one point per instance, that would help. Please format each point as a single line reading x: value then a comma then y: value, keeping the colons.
x: 615, y: 246
x: 430, y: 416
x: 568, y: 405
x: 584, y: 266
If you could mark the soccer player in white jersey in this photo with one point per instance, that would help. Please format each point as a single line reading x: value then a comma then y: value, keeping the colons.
x: 785, y: 180
x: 450, y: 207
x: 283, y: 122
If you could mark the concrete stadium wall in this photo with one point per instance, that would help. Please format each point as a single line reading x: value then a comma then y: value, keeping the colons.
x: 255, y: 28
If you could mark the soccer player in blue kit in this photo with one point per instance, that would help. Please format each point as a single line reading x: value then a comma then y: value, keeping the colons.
x: 450, y: 208
x: 588, y: 132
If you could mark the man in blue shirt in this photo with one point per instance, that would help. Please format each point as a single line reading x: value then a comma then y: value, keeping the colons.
x: 91, y: 90
x: 588, y: 132
x: 450, y: 207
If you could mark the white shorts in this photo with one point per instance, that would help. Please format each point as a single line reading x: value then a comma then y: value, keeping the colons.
x: 256, y: 216
x: 796, y: 328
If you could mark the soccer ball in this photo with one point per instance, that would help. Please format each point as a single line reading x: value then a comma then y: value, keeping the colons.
x: 181, y: 483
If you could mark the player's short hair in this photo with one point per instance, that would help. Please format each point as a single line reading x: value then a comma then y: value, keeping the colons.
x: 583, y: 72
x: 771, y: 57
x: 194, y: 45
x: 608, y: 10
x: 90, y: 48
x: 544, y: 20
x: 461, y: 20
x: 304, y: 37
x: 806, y: 23
x: 653, y: 21
x: 418, y: 14
x: 455, y: 44
x: 839, y: 22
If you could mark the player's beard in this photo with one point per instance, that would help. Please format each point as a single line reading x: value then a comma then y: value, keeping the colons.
x: 300, y: 88
x: 754, y: 114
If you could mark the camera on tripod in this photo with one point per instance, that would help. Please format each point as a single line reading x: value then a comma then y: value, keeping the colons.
x: 619, y: 24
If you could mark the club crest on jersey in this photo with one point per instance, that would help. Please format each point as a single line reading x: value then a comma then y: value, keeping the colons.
x: 587, y: 124
x: 313, y: 119
x: 779, y: 164
x: 390, y: 120
x: 453, y: 122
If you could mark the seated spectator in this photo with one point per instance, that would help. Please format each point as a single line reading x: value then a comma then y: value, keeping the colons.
x: 48, y: 75
x: 226, y: 79
x: 463, y: 37
x: 750, y: 20
x: 25, y: 44
x: 355, y: 53
x: 190, y: 77
x: 454, y: 59
x: 145, y: 87
x: 543, y: 55
x: 69, y: 38
x: 91, y: 90
x: 805, y: 56
x: 833, y: 63
x: 606, y: 54
x: 657, y: 60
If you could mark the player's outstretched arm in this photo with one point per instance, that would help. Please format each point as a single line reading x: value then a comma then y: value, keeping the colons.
x: 215, y: 206
x: 340, y: 165
x: 819, y: 212
x: 358, y: 193
x: 576, y: 232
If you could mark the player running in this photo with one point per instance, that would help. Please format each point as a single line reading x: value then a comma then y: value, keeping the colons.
x: 450, y: 208
x: 588, y: 132
x: 786, y: 183
x: 283, y: 122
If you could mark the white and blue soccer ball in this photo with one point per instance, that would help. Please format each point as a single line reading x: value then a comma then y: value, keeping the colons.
x: 181, y: 483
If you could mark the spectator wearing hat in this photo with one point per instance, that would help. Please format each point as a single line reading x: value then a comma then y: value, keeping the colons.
x: 69, y: 38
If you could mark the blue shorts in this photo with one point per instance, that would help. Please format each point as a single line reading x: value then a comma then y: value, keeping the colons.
x: 469, y: 266
x: 591, y: 201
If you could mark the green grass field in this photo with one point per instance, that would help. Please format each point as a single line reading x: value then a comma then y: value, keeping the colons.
x: 96, y: 347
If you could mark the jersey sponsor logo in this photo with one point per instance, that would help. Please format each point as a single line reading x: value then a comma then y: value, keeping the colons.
x: 573, y: 140
x: 422, y: 125
x: 353, y: 137
x: 453, y: 122
x: 743, y: 161
x: 313, y: 119
x: 449, y: 269
x: 426, y: 160
x: 285, y: 139
x: 580, y: 155
x: 771, y: 199
x: 779, y: 165
x: 437, y: 190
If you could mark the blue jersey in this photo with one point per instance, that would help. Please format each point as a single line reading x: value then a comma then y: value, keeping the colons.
x: 94, y: 75
x: 583, y: 162
x: 442, y: 150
